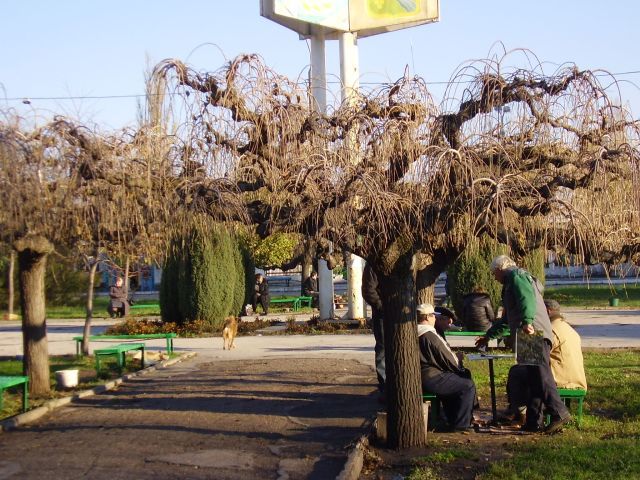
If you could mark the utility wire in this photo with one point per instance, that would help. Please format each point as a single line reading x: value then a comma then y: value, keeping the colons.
x: 27, y: 99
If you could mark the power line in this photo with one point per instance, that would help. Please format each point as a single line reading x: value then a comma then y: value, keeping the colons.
x: 27, y: 99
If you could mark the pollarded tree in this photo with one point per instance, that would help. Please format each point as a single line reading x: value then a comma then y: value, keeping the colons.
x: 405, y: 184
x: 63, y: 184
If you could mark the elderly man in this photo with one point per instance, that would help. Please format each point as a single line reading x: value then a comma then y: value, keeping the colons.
x: 442, y: 373
x: 525, y: 313
x: 567, y: 364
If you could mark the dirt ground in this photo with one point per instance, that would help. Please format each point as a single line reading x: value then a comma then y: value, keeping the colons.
x: 462, y: 456
x: 289, y: 418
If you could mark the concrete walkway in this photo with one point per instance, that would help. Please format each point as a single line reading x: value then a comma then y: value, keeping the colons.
x: 598, y: 328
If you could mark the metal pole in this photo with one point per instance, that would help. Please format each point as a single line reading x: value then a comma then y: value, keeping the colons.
x: 319, y: 93
x: 349, y: 76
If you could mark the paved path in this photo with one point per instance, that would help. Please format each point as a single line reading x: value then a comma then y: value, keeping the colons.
x: 598, y: 328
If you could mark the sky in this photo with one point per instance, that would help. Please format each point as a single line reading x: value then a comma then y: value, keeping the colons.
x: 63, y: 55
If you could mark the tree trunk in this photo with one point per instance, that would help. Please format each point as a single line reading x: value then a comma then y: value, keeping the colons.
x: 405, y: 423
x: 86, y: 332
x: 127, y: 264
x: 10, y: 284
x: 307, y: 262
x: 32, y: 261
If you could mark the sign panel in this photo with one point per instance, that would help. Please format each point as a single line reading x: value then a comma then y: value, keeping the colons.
x: 364, y: 17
x: 332, y: 14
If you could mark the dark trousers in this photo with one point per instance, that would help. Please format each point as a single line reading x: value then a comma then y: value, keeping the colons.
x: 543, y: 392
x: 264, y: 301
x: 457, y: 394
x: 378, y: 333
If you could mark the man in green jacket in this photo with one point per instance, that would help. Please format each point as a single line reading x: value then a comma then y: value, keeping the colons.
x: 525, y: 313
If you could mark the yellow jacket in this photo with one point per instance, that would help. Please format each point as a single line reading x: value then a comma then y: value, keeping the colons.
x: 567, y: 364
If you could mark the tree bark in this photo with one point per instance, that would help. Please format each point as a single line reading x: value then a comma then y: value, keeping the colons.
x: 33, y: 251
x: 307, y: 262
x: 127, y: 264
x: 405, y: 423
x: 10, y: 284
x: 86, y: 331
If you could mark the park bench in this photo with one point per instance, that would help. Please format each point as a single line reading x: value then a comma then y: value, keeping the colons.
x: 294, y: 301
x: 120, y: 351
x: 279, y: 280
x: 14, y: 381
x: 144, y: 305
x: 304, y: 299
x: 568, y: 394
x: 149, y: 336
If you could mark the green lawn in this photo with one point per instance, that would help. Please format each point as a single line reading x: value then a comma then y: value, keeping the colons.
x: 13, y: 397
x: 606, y: 447
x: 596, y: 296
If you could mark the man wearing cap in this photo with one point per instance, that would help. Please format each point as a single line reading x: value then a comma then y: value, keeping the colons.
x: 525, y: 313
x: 442, y: 373
x: 567, y: 364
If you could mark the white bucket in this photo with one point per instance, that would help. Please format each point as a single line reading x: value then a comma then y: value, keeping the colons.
x: 67, y: 378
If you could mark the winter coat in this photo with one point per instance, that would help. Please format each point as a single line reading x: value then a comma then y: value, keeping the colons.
x: 371, y: 292
x: 477, y: 313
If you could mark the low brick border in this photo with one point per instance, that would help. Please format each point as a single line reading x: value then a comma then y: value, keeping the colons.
x: 33, y: 415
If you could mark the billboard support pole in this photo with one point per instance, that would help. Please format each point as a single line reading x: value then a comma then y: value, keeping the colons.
x: 319, y: 94
x: 350, y: 79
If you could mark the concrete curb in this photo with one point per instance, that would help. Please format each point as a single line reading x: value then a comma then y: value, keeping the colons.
x: 33, y: 415
x: 355, y: 461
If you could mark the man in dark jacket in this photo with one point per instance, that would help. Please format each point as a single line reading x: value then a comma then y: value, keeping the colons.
x: 442, y: 373
x: 526, y: 313
x: 261, y: 293
x: 118, y: 301
x: 477, y: 313
x: 371, y: 295
x: 310, y: 288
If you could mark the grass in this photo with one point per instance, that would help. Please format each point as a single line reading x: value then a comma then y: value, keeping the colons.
x: 606, y: 447
x: 595, y: 296
x: 12, y: 403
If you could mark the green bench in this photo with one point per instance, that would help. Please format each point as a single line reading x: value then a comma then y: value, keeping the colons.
x: 568, y: 394
x: 120, y: 351
x: 14, y: 381
x: 294, y: 301
x: 150, y: 336
x: 144, y: 305
x: 308, y: 300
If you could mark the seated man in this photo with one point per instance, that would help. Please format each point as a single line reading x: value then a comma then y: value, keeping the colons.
x: 118, y: 301
x: 567, y: 364
x: 442, y: 372
x: 310, y: 288
x: 477, y: 312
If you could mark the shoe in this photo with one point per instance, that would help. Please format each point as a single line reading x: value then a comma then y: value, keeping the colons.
x: 556, y: 424
x: 531, y: 428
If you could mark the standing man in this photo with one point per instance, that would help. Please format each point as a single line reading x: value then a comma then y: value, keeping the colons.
x: 371, y: 295
x: 525, y: 312
x: 261, y: 294
x: 442, y: 373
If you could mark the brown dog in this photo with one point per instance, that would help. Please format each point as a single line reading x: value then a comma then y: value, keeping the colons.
x: 229, y: 333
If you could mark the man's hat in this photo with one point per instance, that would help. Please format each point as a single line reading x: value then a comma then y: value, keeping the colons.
x: 425, y: 309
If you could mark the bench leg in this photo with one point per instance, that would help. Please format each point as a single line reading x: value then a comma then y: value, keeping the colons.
x: 579, y: 422
x: 25, y: 396
x: 142, y: 359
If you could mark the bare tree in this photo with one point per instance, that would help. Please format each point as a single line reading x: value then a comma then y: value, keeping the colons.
x: 63, y: 184
x: 425, y: 179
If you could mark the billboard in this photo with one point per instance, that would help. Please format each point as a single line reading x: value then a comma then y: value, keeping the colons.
x: 366, y: 17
